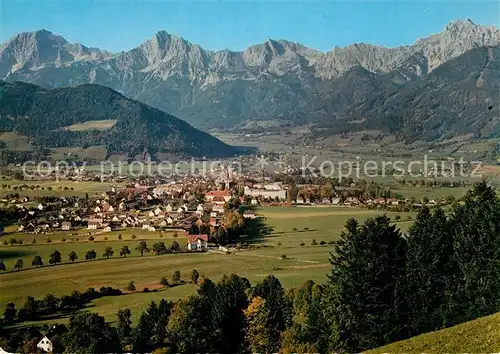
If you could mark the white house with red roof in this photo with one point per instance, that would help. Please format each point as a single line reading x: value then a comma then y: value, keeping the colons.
x: 197, y: 242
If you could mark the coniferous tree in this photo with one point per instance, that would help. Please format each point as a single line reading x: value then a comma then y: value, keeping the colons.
x: 307, y: 331
x: 228, y: 318
x: 367, y: 271
x: 124, y: 326
x: 89, y: 333
x: 431, y: 272
x: 189, y: 325
x: 271, y: 292
x: 37, y: 261
x: 55, y: 257
x: 476, y: 231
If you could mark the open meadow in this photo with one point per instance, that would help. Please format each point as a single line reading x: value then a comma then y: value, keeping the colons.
x: 294, y: 232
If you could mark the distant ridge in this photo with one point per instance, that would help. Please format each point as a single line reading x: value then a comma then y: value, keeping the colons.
x: 280, y: 81
x: 131, y: 128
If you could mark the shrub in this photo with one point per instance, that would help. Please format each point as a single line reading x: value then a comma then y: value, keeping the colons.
x: 294, y: 229
x: 314, y: 243
x: 306, y: 228
x: 48, y: 240
x: 408, y: 217
x: 331, y: 242
x: 322, y: 243
x: 397, y: 218
x: 5, y: 243
x: 63, y: 239
x: 91, y: 238
x: 145, y: 290
x: 164, y: 281
x: 33, y: 240
x: 283, y: 256
x: 176, y: 277
x: 105, y: 238
x: 279, y: 244
x: 131, y: 286
x: 133, y: 237
x: 120, y: 236
x: 302, y: 244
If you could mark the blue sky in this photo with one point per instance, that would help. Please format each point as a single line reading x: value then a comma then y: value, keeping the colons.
x: 123, y: 24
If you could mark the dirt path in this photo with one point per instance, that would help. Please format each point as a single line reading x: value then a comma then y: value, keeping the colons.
x: 247, y: 253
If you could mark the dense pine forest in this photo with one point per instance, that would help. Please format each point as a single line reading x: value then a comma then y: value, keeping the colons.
x: 383, y: 286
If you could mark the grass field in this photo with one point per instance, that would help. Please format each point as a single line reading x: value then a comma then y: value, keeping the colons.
x: 302, y: 263
x: 80, y: 188
x: 92, y: 124
x: 479, y: 336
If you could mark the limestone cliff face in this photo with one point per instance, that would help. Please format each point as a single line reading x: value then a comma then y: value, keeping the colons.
x: 224, y: 88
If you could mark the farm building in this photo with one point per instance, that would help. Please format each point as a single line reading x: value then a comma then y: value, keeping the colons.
x: 197, y: 242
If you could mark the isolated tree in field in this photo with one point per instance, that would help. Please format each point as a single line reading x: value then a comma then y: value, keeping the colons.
x: 175, y: 246
x: 37, y: 261
x: 133, y: 237
x: 164, y: 281
x: 175, y: 234
x: 131, y: 286
x: 176, y: 277
x: 55, y: 257
x: 159, y: 248
x: 142, y: 247
x: 108, y: 252
x: 125, y: 251
x: 9, y: 315
x: 73, y: 256
x: 49, y: 240
x: 19, y: 264
x: 195, y: 276
x: 2, y: 266
x: 120, y: 236
x: 90, y: 255
x: 368, y: 267
x: 12, y: 241
x: 124, y: 326
x: 89, y: 333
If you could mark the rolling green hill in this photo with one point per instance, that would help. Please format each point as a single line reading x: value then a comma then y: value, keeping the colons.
x: 48, y: 117
x: 479, y: 336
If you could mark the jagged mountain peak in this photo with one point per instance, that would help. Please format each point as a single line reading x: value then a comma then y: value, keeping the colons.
x: 171, y: 73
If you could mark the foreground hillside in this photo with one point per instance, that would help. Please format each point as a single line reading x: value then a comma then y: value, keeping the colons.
x: 91, y: 115
x: 479, y: 336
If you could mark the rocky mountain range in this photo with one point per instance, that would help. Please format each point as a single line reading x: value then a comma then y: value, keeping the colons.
x: 279, y: 81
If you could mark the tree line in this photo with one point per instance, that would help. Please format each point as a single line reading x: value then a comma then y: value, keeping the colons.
x: 383, y: 286
x: 159, y: 248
